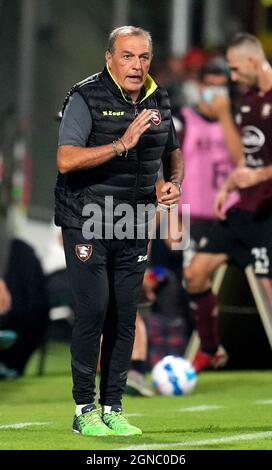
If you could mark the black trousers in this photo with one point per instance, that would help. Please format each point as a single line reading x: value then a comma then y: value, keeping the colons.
x: 106, y: 278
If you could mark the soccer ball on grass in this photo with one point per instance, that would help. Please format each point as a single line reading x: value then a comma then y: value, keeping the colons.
x: 173, y: 375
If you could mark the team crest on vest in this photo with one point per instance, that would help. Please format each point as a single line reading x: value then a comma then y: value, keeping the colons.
x: 84, y: 252
x: 156, y: 117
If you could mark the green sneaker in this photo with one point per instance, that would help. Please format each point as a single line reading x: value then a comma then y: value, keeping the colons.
x: 89, y: 423
x: 120, y: 425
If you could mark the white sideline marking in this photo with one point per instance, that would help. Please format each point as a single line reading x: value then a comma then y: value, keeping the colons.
x: 21, y: 425
x: 133, y: 414
x: 202, y: 408
x: 263, y: 402
x: 203, y: 442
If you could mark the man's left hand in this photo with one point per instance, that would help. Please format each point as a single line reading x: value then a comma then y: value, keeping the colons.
x: 170, y: 194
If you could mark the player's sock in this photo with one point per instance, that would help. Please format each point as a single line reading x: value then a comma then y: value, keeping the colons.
x: 84, y: 408
x: 204, y: 310
x: 139, y: 366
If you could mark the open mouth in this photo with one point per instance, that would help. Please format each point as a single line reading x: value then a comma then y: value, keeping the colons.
x: 134, y: 78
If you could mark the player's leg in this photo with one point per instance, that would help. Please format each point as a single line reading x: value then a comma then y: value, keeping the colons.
x: 139, y: 352
x: 136, y: 381
x: 204, y: 307
x: 125, y: 279
x: 198, y: 275
x: 87, y: 274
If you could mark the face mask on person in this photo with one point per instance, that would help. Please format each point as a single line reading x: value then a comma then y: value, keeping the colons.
x: 209, y: 92
x: 190, y: 92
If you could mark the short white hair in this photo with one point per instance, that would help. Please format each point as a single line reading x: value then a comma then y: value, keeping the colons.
x: 127, y: 31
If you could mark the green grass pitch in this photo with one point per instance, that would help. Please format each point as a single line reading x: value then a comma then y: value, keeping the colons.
x: 228, y: 410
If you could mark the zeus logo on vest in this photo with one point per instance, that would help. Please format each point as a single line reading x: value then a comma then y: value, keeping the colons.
x: 84, y: 252
x: 156, y: 117
x: 141, y: 258
x: 113, y: 113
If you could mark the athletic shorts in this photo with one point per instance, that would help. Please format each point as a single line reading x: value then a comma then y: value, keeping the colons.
x: 246, y: 238
x: 199, y: 233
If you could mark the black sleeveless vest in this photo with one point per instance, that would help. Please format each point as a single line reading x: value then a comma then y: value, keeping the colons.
x: 128, y: 180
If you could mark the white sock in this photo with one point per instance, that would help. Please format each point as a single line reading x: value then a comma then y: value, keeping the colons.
x: 79, y: 408
x: 106, y: 409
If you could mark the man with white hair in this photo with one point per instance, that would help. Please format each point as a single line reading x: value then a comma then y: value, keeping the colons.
x: 116, y: 129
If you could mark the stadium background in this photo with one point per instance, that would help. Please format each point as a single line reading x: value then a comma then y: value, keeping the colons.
x: 47, y: 45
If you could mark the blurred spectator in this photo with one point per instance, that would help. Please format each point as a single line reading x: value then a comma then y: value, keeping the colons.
x: 175, y: 77
x: 211, y: 146
x: 58, y: 286
x: 26, y: 312
x: 7, y: 336
x: 193, y: 61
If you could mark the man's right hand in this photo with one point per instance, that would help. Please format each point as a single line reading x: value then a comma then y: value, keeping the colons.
x: 5, y: 298
x: 134, y: 131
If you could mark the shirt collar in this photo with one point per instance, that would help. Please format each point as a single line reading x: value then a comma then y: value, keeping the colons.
x: 148, y: 88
